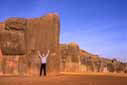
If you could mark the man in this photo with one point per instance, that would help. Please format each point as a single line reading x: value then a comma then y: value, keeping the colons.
x: 43, y: 58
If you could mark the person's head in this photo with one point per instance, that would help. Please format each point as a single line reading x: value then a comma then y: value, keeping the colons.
x: 42, y: 54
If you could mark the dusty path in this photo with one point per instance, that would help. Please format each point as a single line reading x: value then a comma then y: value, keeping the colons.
x: 64, y: 80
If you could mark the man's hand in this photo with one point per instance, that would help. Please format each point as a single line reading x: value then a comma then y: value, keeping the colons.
x: 47, y: 53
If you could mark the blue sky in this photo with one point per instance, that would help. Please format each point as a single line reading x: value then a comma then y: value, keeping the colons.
x: 98, y: 26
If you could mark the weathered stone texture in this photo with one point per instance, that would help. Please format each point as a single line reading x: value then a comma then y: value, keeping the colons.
x: 23, y: 36
x: 2, y: 25
x: 15, y: 24
x: 70, y: 55
x: 20, y: 65
x: 12, y: 43
x: 43, y: 34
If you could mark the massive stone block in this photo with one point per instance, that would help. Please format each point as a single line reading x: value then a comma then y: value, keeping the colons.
x: 23, y: 36
x: 70, y: 55
x: 15, y: 24
x: 43, y: 34
x: 71, y: 52
x: 2, y: 25
x: 12, y: 42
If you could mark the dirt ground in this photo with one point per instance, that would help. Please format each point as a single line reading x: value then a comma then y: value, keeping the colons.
x: 64, y: 80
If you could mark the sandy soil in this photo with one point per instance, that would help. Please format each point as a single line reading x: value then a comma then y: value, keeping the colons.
x: 64, y: 80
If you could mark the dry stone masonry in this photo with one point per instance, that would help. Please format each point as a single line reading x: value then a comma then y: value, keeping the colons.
x: 21, y: 38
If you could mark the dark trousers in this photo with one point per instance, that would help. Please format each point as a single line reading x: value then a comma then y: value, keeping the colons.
x: 43, y: 67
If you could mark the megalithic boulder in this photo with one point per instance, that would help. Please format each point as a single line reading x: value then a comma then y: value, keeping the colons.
x: 12, y: 36
x: 23, y: 36
x: 43, y: 34
x: 70, y: 57
x: 12, y: 42
x: 15, y: 24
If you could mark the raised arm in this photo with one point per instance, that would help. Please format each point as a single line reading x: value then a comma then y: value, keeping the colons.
x: 47, y: 54
x: 39, y: 54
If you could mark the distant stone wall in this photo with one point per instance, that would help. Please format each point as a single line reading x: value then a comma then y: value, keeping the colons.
x: 73, y: 59
x: 70, y: 57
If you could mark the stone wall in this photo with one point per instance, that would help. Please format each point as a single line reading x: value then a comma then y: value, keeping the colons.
x: 15, y: 24
x: 12, y: 42
x: 70, y: 57
x: 76, y: 60
x: 22, y: 37
x: 20, y: 65
x: 2, y: 25
x: 43, y: 34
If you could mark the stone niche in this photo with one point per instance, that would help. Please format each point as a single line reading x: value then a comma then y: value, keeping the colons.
x: 24, y: 37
